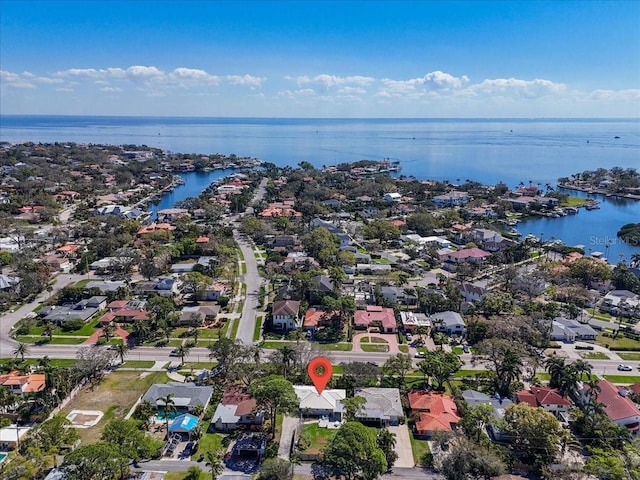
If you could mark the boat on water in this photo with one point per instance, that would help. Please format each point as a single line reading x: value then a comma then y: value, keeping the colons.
x: 592, y: 206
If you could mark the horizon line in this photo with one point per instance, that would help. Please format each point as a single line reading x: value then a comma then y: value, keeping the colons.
x: 307, y: 118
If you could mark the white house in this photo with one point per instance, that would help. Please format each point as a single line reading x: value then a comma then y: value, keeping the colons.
x: 392, y: 197
x: 450, y: 323
x: 451, y: 199
x: 325, y: 404
x: 570, y: 330
x: 285, y: 314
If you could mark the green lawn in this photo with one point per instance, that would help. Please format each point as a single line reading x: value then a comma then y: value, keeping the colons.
x: 241, y: 255
x: 317, y: 437
x: 235, y: 326
x: 340, y: 347
x: 87, y: 330
x: 620, y: 342
x: 457, y: 350
x: 623, y: 378
x: 243, y: 267
x: 468, y: 373
x: 209, y: 442
x: 572, y: 201
x: 257, y: 328
x: 419, y: 448
x: 54, y: 340
x: 54, y: 362
x: 403, y: 348
x: 374, y: 347
x: 629, y: 356
x: 594, y: 356
x: 183, y: 475
x: 138, y: 363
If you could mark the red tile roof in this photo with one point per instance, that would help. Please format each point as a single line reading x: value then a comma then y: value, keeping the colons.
x: 435, y: 411
x: 313, y: 317
x: 375, y: 315
x: 538, y: 396
x: 35, y: 382
x: 616, y: 406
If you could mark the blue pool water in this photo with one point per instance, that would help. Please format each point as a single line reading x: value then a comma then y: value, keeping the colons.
x: 160, y: 416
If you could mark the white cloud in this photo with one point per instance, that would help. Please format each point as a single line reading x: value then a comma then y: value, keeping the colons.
x: 247, y: 80
x: 352, y: 91
x: 14, y: 80
x: 523, y: 88
x: 327, y: 81
x: 628, y: 94
x: 111, y: 89
x: 140, y: 71
x: 65, y: 89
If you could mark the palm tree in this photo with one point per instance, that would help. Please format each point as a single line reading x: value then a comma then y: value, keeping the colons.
x: 182, y: 351
x: 21, y: 350
x: 288, y: 356
x: 581, y: 368
x: 108, y: 330
x: 215, y: 464
x: 49, y: 330
x: 169, y: 408
x: 556, y: 367
x: 121, y: 351
x: 426, y: 369
x: 193, y: 473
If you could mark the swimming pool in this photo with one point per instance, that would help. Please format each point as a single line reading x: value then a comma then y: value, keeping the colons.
x: 160, y: 416
x: 3, y: 455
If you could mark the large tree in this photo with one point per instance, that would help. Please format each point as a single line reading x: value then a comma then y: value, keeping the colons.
x: 398, y: 365
x: 471, y: 461
x: 440, y: 365
x: 535, y: 434
x: 127, y: 436
x: 96, y: 461
x: 275, y: 395
x: 354, y: 453
x: 276, y: 469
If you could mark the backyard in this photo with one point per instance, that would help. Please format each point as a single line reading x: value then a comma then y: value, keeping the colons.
x: 114, y: 396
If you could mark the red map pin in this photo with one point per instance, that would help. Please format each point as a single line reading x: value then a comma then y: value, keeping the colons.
x: 320, y: 371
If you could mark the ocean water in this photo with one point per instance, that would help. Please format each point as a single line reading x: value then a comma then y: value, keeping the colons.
x: 484, y: 150
x: 444, y: 149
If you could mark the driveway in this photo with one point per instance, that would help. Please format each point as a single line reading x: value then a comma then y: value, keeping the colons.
x: 403, y: 446
x: 289, y: 427
x: 390, y: 338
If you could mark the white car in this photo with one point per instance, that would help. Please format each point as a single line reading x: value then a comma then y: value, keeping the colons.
x: 419, y: 355
x: 624, y: 368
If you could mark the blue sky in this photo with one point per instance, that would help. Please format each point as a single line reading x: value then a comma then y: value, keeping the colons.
x: 321, y: 59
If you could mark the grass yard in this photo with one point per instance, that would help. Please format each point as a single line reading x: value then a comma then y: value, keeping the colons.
x: 316, y: 437
x: 209, y: 442
x: 138, y: 364
x: 594, y: 356
x: 182, y: 475
x: 419, y: 448
x: 241, y: 255
x: 598, y: 314
x: 114, y: 396
x: 623, y: 378
x: 629, y: 355
x: 340, y: 347
x: 403, y: 348
x: 54, y: 340
x: 374, y: 347
x: 86, y: 331
x: 243, y: 267
x: 572, y: 201
x: 620, y: 342
x: 257, y: 328
x: 54, y: 362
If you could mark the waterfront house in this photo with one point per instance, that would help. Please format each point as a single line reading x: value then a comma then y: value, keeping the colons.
x: 451, y: 199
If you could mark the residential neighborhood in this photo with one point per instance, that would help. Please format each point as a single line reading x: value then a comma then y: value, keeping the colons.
x: 187, y: 330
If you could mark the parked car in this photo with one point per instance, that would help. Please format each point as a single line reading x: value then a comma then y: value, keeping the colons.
x: 409, y: 337
x: 419, y: 355
x: 624, y: 368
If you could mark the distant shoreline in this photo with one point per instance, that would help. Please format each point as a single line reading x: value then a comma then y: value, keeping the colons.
x: 598, y: 191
